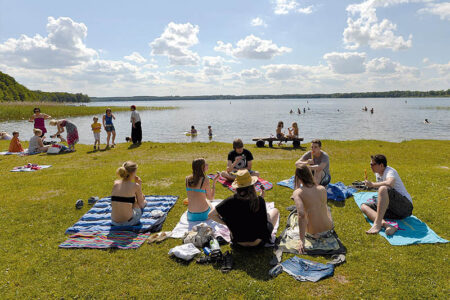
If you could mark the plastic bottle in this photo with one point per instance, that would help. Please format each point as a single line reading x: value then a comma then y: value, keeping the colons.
x: 215, y: 249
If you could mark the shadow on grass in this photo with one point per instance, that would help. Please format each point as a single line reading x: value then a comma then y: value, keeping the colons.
x: 255, y: 262
x: 134, y: 146
x: 284, y: 148
x: 336, y: 203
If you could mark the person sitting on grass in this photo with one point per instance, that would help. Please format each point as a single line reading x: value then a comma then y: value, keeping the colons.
x: 36, y: 145
x: 280, y: 135
x: 238, y: 159
x: 318, y: 162
x: 5, y: 136
x: 127, y: 199
x: 198, y: 191
x: 245, y: 213
x: 293, y: 131
x: 15, y: 145
x: 314, y: 218
x: 393, y: 201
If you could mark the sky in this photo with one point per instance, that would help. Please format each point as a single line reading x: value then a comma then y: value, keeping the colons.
x: 206, y: 47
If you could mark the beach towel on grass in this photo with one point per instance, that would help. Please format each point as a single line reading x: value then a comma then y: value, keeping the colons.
x: 290, y: 237
x: 102, y: 240
x: 184, y: 226
x: 98, y: 218
x: 261, y: 182
x: 30, y: 169
x: 335, y: 191
x: 411, y: 230
x: 14, y: 153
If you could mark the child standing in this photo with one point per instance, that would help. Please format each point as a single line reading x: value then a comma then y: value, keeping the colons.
x: 96, y: 128
x: 210, y: 132
x: 15, y: 145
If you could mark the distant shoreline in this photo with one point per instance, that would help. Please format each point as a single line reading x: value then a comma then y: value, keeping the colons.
x: 389, y: 94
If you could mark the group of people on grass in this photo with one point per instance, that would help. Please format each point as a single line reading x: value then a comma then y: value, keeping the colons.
x: 37, y: 143
x: 245, y: 213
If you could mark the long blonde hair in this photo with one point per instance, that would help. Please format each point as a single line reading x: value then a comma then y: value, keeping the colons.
x: 53, y: 122
x: 127, y: 169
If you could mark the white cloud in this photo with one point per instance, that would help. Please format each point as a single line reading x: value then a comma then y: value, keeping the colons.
x: 258, y: 22
x: 214, y: 66
x: 175, y: 42
x: 425, y: 60
x: 136, y: 57
x: 252, y: 47
x: 364, y: 28
x: 440, y: 9
x: 63, y: 47
x: 346, y: 62
x: 284, y: 7
x: 382, y: 65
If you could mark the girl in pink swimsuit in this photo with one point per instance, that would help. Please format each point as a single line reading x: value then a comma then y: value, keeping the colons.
x: 39, y: 120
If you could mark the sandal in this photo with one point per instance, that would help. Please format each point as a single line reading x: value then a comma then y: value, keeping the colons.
x: 152, y: 237
x: 227, y: 262
x: 164, y: 235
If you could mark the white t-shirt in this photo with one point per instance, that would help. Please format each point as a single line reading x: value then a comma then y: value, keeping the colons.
x: 135, y: 115
x: 398, y: 183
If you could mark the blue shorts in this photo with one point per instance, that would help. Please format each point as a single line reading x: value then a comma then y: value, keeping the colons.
x: 198, y: 216
x: 135, y: 219
x: 325, y: 179
x: 109, y: 128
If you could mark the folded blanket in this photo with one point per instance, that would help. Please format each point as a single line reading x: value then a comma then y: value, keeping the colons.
x: 102, y: 240
x: 411, y: 230
x: 335, y: 191
x: 184, y: 226
x: 30, y: 168
x: 325, y: 245
x: 261, y: 182
x: 98, y: 218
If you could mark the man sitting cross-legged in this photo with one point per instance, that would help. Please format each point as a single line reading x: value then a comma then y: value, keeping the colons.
x: 393, y: 201
x: 238, y: 159
x: 314, y: 218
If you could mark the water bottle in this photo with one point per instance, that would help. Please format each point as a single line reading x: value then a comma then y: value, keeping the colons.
x: 215, y: 249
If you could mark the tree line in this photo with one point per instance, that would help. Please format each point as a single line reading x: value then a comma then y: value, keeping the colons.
x: 11, y: 90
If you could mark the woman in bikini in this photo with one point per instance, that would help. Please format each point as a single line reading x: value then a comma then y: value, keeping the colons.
x: 199, y: 192
x: 39, y: 120
x: 127, y: 199
x: 293, y: 131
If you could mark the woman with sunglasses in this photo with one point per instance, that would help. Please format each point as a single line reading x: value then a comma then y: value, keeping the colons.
x: 39, y: 120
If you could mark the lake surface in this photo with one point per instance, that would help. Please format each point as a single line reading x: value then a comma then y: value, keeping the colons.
x: 394, y: 119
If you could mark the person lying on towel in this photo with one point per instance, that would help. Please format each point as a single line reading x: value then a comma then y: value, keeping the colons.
x: 245, y: 213
x: 199, y: 192
x: 311, y: 203
x: 393, y: 201
x: 127, y: 199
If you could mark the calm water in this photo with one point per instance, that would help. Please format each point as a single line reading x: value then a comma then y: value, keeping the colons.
x: 393, y: 120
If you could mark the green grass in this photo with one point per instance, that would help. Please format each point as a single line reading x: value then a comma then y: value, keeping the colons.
x: 36, y: 208
x: 23, y: 111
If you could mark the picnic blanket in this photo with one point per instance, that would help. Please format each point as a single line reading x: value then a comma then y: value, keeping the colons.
x: 289, y: 238
x: 184, y: 226
x: 410, y: 231
x: 30, y: 168
x: 14, y: 153
x: 335, y: 191
x: 102, y: 240
x: 261, y: 182
x: 98, y: 218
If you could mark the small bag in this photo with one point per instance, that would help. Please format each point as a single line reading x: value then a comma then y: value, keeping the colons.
x: 200, y: 235
x: 53, y: 150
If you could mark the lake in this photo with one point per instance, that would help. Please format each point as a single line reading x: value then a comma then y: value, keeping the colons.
x: 394, y: 119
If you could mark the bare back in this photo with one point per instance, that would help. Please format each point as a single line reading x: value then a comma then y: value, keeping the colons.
x: 313, y: 202
x: 121, y: 211
x: 198, y: 199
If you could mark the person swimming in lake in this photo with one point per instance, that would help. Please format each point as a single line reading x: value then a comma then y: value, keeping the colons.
x: 426, y: 121
x: 38, y: 119
x: 299, y: 111
x: 199, y: 193
x: 293, y: 131
x: 193, y: 130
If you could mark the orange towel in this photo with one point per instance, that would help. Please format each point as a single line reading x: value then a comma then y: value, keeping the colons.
x: 15, y: 145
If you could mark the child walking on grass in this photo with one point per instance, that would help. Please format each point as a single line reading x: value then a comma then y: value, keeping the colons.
x: 96, y: 128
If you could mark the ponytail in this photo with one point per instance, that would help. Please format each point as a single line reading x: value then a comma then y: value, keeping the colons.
x: 126, y: 170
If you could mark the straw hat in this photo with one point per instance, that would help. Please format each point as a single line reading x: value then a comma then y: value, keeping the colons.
x: 243, y: 179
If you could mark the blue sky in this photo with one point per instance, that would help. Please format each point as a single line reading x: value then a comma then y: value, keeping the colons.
x: 118, y: 48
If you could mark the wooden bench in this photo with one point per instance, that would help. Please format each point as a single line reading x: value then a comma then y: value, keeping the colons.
x: 260, y: 142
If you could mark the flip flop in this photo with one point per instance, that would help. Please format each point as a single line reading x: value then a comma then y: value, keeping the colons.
x: 152, y: 237
x: 164, y: 235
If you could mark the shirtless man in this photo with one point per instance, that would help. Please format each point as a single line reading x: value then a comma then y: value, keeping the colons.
x: 314, y: 217
x: 318, y: 162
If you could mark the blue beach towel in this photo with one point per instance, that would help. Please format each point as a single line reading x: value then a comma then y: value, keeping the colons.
x: 98, y: 218
x: 410, y: 231
x: 335, y: 191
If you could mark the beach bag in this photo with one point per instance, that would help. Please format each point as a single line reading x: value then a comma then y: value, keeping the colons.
x: 200, y: 235
x: 55, y: 149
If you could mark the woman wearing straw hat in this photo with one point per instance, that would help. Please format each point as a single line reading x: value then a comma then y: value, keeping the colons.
x: 245, y: 213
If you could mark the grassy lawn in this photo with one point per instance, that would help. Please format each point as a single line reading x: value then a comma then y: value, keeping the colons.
x: 23, y: 110
x: 36, y: 208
